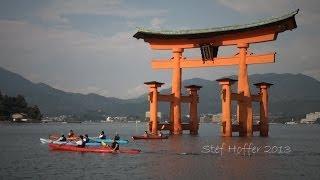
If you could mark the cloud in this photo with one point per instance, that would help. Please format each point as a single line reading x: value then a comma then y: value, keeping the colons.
x: 117, y: 64
x: 73, y: 60
x: 30, y: 38
x: 83, y: 90
x: 256, y: 6
x: 156, y: 22
x: 93, y: 89
x: 297, y: 53
x: 136, y: 91
x: 142, y: 89
x: 309, y: 11
x: 58, y: 10
x: 309, y: 18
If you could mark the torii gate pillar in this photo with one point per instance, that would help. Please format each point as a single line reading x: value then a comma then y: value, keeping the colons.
x: 226, y: 123
x: 153, y: 98
x: 193, y: 108
x: 244, y: 105
x: 176, y: 91
x: 264, y: 107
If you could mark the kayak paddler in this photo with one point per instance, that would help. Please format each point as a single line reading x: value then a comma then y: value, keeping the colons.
x: 160, y: 134
x: 71, y: 134
x: 146, y: 134
x: 117, y: 137
x: 86, y: 138
x: 102, y: 135
x: 62, y: 138
x: 115, y: 146
x: 81, y: 142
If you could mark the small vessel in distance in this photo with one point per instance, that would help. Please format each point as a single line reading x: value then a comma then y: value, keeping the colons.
x: 291, y: 122
x: 149, y: 137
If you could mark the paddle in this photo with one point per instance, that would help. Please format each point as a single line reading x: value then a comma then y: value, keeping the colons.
x: 107, y: 146
x: 103, y: 144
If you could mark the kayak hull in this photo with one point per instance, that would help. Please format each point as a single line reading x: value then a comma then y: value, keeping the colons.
x: 47, y: 141
x: 92, y: 140
x: 121, y: 141
x: 56, y: 137
x: 149, y: 137
x: 62, y: 147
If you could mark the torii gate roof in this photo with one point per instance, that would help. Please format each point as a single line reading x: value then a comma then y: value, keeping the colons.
x: 282, y: 23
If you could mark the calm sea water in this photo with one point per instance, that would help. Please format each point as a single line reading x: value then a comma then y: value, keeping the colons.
x: 291, y: 152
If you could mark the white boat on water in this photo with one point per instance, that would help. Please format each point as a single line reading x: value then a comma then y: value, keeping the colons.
x: 291, y: 122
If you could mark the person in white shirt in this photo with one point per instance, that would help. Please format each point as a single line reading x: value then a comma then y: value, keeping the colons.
x: 86, y: 138
x: 102, y: 135
x: 81, y: 142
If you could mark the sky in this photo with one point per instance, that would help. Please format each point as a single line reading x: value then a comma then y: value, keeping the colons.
x: 86, y: 46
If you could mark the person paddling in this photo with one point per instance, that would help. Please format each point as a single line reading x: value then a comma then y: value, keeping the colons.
x: 117, y: 137
x: 81, y: 142
x: 71, y: 134
x: 62, y: 138
x: 86, y: 138
x: 146, y: 134
x: 115, y: 146
x: 102, y: 135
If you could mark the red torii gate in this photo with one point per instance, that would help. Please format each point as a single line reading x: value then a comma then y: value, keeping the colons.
x: 209, y: 40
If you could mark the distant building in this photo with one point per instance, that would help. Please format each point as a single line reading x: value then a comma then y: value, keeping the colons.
x: 310, y: 118
x: 205, y: 118
x: 19, y: 117
x: 109, y: 119
x: 216, y: 118
x: 120, y: 119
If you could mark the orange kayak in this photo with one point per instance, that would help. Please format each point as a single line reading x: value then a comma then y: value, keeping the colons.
x: 54, y: 137
x: 100, y: 149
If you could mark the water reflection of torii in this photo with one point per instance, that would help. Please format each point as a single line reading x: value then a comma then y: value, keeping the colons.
x: 209, y: 40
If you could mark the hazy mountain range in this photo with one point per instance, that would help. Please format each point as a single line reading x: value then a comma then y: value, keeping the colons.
x: 292, y: 94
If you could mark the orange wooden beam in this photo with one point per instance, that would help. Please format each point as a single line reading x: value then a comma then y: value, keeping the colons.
x: 235, y: 97
x: 221, y: 61
x: 236, y: 127
x: 186, y: 99
x: 166, y: 98
x: 256, y: 98
x: 255, y: 36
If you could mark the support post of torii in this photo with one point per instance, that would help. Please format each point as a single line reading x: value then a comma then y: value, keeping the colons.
x: 193, y: 108
x: 244, y: 108
x: 153, y: 99
x: 264, y: 107
x: 176, y: 90
x: 226, y: 123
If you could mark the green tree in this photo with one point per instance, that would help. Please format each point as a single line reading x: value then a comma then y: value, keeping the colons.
x: 11, y: 105
x: 34, y: 113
